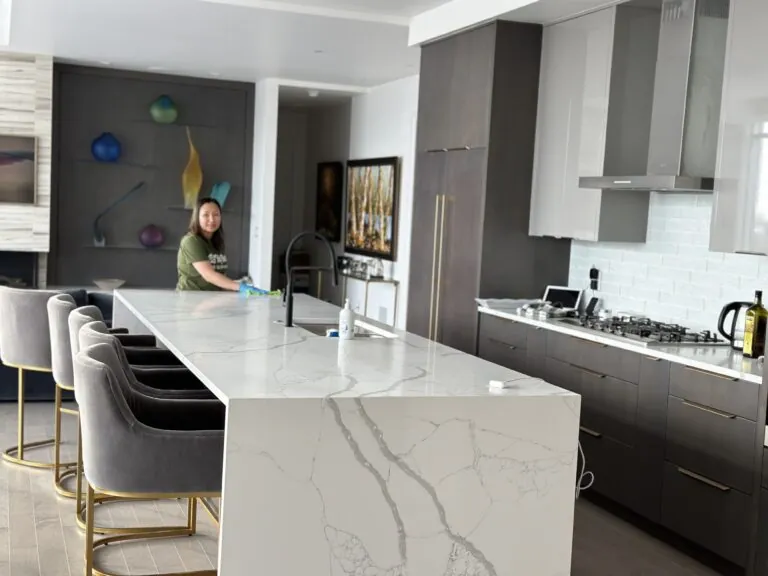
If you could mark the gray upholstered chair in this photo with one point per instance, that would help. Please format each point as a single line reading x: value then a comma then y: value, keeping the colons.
x: 25, y: 344
x: 139, y: 348
x: 59, y: 308
x: 140, y: 447
x: 157, y: 381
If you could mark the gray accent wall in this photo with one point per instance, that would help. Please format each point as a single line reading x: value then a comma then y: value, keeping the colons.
x: 89, y: 101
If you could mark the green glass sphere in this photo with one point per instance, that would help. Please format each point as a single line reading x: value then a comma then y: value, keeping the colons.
x: 163, y: 110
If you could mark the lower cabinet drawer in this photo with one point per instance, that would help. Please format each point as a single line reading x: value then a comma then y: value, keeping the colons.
x: 563, y: 375
x: 536, y: 365
x: 712, y: 443
x: 503, y: 330
x: 507, y: 355
x: 761, y: 562
x: 609, y: 406
x: 622, y: 474
x: 708, y: 513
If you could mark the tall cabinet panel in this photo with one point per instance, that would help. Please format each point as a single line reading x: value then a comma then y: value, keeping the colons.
x: 473, y: 182
x: 571, y: 125
x: 427, y: 205
x: 740, y: 214
x: 462, y: 220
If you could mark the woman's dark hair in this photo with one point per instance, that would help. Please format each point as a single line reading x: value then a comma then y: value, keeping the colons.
x: 194, y: 224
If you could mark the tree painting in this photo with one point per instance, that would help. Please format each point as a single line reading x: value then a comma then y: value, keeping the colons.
x: 372, y: 187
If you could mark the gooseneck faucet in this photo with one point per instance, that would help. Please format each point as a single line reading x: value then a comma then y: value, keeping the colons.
x: 289, y: 271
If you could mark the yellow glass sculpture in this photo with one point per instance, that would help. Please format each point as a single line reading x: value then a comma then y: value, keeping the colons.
x: 192, y: 177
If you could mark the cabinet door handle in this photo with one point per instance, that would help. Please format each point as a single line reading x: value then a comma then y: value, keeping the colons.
x: 590, y: 432
x: 729, y: 378
x: 439, y: 265
x: 500, y: 343
x: 703, y: 480
x: 710, y: 410
x: 652, y: 358
x: 748, y: 253
x: 434, y: 264
x: 588, y: 371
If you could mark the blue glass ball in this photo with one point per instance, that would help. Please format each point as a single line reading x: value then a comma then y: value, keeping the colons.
x: 106, y: 148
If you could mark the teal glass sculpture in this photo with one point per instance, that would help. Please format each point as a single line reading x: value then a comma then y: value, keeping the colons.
x: 220, y: 192
x: 163, y: 110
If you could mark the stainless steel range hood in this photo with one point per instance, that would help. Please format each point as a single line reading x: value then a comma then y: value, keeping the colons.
x: 678, y: 117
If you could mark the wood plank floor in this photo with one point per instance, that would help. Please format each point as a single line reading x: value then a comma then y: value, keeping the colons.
x: 39, y: 537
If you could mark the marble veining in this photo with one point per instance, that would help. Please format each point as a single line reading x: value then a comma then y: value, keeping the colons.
x: 237, y: 346
x: 717, y: 359
x: 387, y: 457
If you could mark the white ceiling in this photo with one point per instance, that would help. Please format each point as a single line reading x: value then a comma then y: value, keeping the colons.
x: 391, y: 11
x: 551, y: 11
x: 204, y: 38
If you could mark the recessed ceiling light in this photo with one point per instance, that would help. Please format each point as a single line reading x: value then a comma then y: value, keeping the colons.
x: 105, y: 62
x: 318, y: 51
x: 215, y: 73
x: 313, y: 93
x: 155, y: 68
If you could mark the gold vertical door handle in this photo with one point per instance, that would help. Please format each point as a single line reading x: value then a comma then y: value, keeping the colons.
x: 440, y: 265
x: 434, y: 263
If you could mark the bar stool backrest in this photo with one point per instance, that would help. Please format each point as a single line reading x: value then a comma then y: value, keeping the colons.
x: 25, y: 340
x: 59, y: 308
x: 79, y: 318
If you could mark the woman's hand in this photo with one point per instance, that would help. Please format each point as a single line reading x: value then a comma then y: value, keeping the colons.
x: 216, y: 278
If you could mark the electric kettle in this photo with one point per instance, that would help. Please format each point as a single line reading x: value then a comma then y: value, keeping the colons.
x: 736, y: 334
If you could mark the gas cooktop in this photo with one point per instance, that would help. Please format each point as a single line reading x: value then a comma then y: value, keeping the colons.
x: 647, y: 331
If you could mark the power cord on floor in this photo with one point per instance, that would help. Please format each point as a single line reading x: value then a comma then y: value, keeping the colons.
x: 584, y: 475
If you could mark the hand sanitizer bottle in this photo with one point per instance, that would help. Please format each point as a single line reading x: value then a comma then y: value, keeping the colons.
x: 346, y: 322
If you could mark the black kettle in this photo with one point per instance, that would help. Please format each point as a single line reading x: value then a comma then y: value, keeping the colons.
x: 737, y: 323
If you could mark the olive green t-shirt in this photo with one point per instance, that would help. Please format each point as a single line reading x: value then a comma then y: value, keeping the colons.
x: 193, y: 248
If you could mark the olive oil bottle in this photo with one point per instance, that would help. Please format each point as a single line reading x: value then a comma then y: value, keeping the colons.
x: 755, y: 327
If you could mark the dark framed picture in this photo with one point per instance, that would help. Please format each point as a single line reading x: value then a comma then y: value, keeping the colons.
x: 18, y: 169
x: 330, y: 200
x: 372, y: 190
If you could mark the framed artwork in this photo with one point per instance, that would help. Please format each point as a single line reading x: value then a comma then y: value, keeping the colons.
x: 18, y: 169
x: 372, y: 190
x: 330, y: 200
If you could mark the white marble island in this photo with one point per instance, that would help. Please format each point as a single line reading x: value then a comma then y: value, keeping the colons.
x: 371, y: 457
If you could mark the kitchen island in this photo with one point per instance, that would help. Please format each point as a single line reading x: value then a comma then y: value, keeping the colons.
x: 378, y: 456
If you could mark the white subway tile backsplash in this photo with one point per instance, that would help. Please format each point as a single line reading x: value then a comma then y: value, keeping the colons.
x: 673, y: 276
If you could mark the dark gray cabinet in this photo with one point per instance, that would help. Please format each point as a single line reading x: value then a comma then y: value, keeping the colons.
x: 476, y: 131
x: 761, y: 562
x: 707, y: 513
x: 675, y: 444
x: 428, y: 185
x: 457, y: 75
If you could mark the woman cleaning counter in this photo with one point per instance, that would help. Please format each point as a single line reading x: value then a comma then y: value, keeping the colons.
x: 374, y: 455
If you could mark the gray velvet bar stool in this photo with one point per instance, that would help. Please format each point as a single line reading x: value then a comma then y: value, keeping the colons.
x: 59, y: 307
x: 25, y: 344
x: 164, y: 381
x: 137, y: 447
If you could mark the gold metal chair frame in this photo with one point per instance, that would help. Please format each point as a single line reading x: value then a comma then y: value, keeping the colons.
x: 100, y: 498
x: 15, y: 454
x: 61, y: 471
x: 148, y: 533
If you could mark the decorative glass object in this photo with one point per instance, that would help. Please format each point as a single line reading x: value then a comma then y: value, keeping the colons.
x: 151, y: 236
x: 106, y: 148
x: 163, y: 110
x: 220, y: 192
x: 192, y: 177
x: 98, y: 236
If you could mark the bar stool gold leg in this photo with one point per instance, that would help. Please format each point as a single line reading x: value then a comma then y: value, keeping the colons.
x: 61, y: 470
x: 190, y: 529
x: 15, y: 454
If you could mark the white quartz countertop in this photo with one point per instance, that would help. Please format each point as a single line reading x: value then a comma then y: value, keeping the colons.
x: 237, y: 346
x: 722, y: 360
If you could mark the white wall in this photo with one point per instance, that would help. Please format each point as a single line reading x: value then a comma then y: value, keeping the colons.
x: 673, y: 276
x: 263, y: 194
x: 383, y: 123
